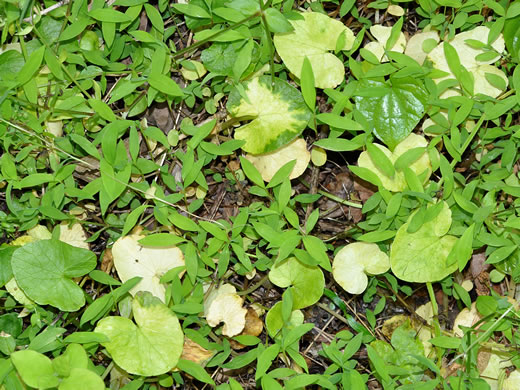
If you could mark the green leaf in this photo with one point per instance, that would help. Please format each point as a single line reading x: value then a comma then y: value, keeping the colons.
x: 381, y: 160
x: 150, y: 346
x: 306, y: 282
x: 251, y: 172
x: 31, y: 66
x: 191, y: 10
x: 277, y: 22
x: 35, y: 369
x: 109, y: 15
x: 422, y: 256
x: 314, y: 35
x: 393, y: 114
x: 446, y: 342
x: 44, y: 270
x: 308, y: 85
x: 102, y: 109
x: 278, y: 114
x: 165, y: 85
x: 195, y: 370
x: 82, y: 378
x: 265, y: 359
x: 338, y: 122
x: 463, y: 249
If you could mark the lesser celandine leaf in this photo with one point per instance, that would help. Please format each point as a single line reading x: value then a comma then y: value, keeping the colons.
x: 44, y: 271
x: 354, y: 262
x: 274, y: 319
x: 150, y: 346
x: 224, y: 305
x: 422, y: 166
x: 314, y: 37
x: 395, y: 110
x: 306, y: 282
x: 35, y: 369
x: 277, y: 112
x: 131, y: 259
x: 420, y: 257
x: 268, y: 164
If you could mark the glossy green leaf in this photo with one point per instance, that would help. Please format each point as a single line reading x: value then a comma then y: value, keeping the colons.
x: 394, y: 114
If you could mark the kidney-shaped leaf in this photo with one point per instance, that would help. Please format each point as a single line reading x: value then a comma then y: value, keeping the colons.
x: 278, y: 114
x: 44, y: 269
x: 394, y: 109
x: 153, y: 346
x: 421, y: 256
x: 132, y: 259
x: 35, y: 369
x: 313, y: 37
x: 306, y: 282
x: 354, y: 261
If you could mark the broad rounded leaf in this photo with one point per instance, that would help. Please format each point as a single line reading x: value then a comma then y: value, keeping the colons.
x: 354, y: 262
x: 44, y: 271
x: 398, y: 181
x: 82, y: 378
x: 224, y: 305
x: 35, y: 369
x: 153, y: 346
x: 274, y: 320
x: 395, y: 111
x: 420, y: 257
x: 268, y: 164
x: 306, y: 282
x: 131, y: 259
x: 278, y: 114
x: 313, y: 37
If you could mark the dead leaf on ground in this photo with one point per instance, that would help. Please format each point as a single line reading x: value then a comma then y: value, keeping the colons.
x: 194, y: 352
x: 224, y: 305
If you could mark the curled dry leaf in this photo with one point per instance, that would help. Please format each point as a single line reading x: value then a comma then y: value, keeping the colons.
x: 132, y: 259
x: 269, y: 163
x: 253, y: 327
x: 224, y: 305
x: 354, y: 262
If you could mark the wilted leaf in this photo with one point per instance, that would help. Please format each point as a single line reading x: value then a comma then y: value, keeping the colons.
x: 194, y: 352
x: 224, y: 305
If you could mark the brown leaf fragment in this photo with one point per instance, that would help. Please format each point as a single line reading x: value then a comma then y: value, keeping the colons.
x: 194, y: 352
x: 254, y: 327
x: 107, y: 263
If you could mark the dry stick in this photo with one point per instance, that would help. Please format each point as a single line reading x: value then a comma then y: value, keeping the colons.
x: 47, y: 10
x: 320, y: 333
x: 91, y: 166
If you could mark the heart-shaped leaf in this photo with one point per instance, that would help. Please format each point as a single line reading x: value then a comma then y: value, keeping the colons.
x: 421, y: 166
x: 392, y: 108
x: 420, y: 257
x: 277, y: 112
x: 44, y: 269
x: 314, y: 35
x: 306, y: 282
x: 153, y: 346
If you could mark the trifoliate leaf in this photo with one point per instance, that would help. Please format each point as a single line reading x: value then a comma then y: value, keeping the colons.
x: 150, y: 346
x: 44, y: 269
x: 420, y: 257
x: 354, y: 262
x: 313, y: 37
x: 306, y: 282
x: 395, y: 110
x: 131, y: 259
x: 268, y: 164
x: 381, y: 34
x: 421, y: 167
x: 278, y: 114
x: 224, y: 305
